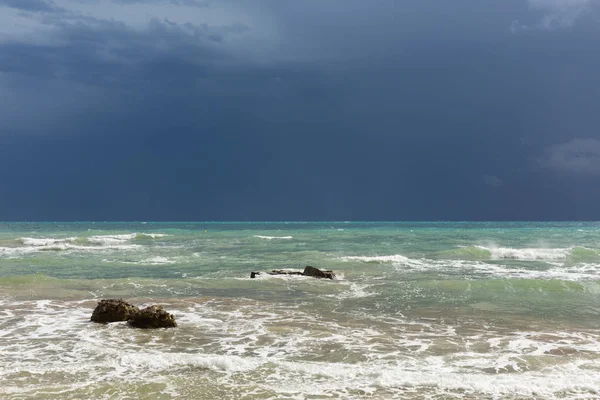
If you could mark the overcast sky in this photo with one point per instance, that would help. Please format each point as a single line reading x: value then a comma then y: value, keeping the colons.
x: 299, y: 110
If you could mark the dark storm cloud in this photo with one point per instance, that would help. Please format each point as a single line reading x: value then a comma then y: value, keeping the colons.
x: 76, y: 60
x: 81, y: 44
x: 299, y: 110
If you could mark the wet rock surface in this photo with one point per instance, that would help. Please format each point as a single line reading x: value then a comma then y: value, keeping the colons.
x: 113, y: 310
x: 317, y: 273
x: 151, y: 318
x: 116, y: 310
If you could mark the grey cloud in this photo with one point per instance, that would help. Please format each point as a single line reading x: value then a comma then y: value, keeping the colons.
x: 103, y: 52
x: 216, y: 24
x: 493, y: 181
x: 395, y: 105
x: 30, y: 5
x: 578, y: 156
x: 84, y: 63
x: 555, y: 14
x: 192, y: 3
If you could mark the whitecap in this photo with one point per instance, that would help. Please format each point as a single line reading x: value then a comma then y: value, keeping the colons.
x: 527, y: 254
x: 41, y: 242
x: 577, y: 272
x: 151, y: 235
x: 16, y: 252
x: 396, y: 258
x: 109, y: 240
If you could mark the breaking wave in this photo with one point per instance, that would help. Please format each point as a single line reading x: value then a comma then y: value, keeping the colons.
x: 27, y: 245
x: 528, y: 254
x: 580, y: 271
x: 575, y: 254
x: 396, y: 258
x: 45, y: 241
x: 109, y: 240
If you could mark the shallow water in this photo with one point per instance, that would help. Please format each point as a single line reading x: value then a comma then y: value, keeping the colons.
x: 420, y: 310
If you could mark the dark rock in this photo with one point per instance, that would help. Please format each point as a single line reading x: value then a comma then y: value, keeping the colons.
x: 317, y: 273
x: 152, y: 317
x: 308, y: 271
x: 113, y: 310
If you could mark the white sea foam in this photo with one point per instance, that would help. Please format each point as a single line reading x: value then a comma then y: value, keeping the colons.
x: 151, y: 235
x: 157, y: 260
x: 102, y: 240
x: 355, y: 291
x: 45, y: 242
x: 285, y: 277
x: 273, y: 237
x: 396, y: 258
x: 90, y: 243
x: 558, y: 271
x: 163, y: 361
x: 16, y: 252
x: 552, y: 384
x: 555, y: 257
x: 432, y: 379
x: 530, y: 254
x: 420, y: 369
x: 288, y: 350
x: 109, y: 240
x: 578, y: 272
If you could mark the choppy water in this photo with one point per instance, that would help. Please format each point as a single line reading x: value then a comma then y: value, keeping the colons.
x: 421, y: 310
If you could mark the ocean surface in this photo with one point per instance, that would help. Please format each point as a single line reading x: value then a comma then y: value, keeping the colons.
x: 425, y: 310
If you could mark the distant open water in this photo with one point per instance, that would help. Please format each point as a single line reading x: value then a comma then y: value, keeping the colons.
x: 420, y: 310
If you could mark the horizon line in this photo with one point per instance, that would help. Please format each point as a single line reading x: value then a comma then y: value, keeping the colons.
x: 278, y: 221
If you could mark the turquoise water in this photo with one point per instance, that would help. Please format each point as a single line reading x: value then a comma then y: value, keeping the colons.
x: 419, y: 310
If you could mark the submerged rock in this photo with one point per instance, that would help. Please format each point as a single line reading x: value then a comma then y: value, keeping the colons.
x: 113, y: 310
x: 317, y: 273
x: 561, y: 351
x: 152, y: 317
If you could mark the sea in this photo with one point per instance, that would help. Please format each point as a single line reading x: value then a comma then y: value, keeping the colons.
x: 419, y: 310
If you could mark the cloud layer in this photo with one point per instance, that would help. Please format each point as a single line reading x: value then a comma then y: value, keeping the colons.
x: 232, y: 109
